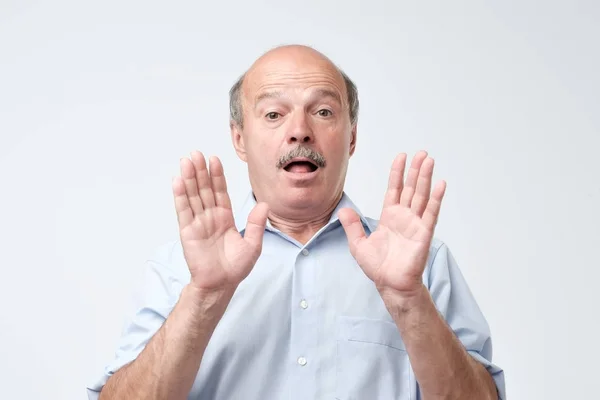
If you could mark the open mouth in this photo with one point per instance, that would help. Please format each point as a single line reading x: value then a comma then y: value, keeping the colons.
x: 302, y: 166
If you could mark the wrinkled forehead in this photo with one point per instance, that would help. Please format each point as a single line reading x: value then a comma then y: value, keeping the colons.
x: 308, y: 74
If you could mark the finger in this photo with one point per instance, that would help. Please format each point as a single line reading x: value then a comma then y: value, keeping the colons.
x: 255, y: 227
x: 353, y: 226
x: 219, y: 184
x: 432, y: 211
x: 411, y: 179
x: 203, y: 180
x: 185, y: 215
x: 423, y: 189
x: 191, y: 188
x: 395, y: 181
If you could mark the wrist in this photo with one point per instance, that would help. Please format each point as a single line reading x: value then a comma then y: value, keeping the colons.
x: 206, y: 304
x: 400, y: 303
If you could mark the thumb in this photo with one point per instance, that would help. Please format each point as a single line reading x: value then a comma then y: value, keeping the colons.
x: 353, y: 227
x: 255, y: 227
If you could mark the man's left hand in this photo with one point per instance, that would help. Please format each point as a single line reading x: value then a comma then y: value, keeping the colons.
x: 395, y: 255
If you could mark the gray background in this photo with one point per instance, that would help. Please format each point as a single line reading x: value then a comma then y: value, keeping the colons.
x: 99, y: 101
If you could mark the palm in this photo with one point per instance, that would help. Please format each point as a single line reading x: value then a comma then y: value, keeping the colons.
x: 216, y: 254
x: 394, y: 256
x: 213, y: 247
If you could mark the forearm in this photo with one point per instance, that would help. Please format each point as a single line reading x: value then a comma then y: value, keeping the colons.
x: 442, y: 366
x: 169, y: 363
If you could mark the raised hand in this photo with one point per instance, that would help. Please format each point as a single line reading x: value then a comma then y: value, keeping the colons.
x: 217, y: 256
x: 395, y: 255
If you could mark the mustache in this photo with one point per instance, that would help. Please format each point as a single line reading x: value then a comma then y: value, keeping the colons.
x: 305, y: 152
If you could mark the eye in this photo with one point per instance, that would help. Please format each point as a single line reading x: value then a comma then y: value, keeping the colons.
x: 324, y: 113
x: 273, y: 115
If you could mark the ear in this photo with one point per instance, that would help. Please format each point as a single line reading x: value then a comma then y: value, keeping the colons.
x: 238, y: 140
x: 353, y: 140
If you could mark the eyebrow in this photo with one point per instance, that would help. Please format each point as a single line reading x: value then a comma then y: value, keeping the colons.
x: 329, y: 93
x: 268, y: 95
x: 278, y: 94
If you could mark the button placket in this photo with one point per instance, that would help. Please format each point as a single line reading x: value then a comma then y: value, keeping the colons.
x: 303, y: 321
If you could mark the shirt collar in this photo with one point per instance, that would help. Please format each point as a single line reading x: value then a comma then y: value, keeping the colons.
x: 241, y: 215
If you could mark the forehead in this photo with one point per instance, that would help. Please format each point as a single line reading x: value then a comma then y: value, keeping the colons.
x: 289, y: 71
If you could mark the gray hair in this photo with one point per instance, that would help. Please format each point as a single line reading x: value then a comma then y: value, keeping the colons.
x: 235, y: 100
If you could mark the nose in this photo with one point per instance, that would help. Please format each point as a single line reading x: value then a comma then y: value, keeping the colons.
x: 300, y: 131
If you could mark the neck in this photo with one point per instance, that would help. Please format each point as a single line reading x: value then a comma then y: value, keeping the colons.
x: 303, y: 229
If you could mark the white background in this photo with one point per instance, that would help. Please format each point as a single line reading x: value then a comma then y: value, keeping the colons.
x: 99, y: 101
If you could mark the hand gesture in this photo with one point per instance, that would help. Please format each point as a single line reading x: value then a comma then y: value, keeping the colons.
x: 217, y: 256
x: 395, y: 255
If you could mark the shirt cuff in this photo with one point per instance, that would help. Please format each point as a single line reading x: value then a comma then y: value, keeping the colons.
x: 496, y: 372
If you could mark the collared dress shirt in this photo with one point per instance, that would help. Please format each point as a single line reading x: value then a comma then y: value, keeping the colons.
x: 306, y: 323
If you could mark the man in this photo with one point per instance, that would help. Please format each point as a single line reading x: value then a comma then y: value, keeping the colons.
x: 299, y: 296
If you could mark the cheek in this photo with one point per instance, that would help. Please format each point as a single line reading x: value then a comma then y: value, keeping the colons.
x: 264, y: 145
x: 338, y: 145
x: 263, y: 153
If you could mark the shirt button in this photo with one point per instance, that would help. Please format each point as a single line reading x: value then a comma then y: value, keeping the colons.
x: 304, y: 304
x: 304, y: 252
x: 302, y: 361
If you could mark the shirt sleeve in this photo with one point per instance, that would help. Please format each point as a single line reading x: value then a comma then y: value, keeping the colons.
x: 153, y: 300
x: 457, y: 304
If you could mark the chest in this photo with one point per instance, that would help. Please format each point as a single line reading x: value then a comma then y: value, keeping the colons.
x: 307, y: 324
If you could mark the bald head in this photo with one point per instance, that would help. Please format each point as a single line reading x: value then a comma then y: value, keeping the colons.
x: 290, y: 57
x: 284, y: 61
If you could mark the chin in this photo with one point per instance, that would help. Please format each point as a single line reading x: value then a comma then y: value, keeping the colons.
x: 301, y: 197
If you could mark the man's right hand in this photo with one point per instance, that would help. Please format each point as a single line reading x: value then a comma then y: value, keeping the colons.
x: 218, y: 257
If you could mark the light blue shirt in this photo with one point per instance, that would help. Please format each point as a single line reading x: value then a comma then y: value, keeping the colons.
x: 306, y: 323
